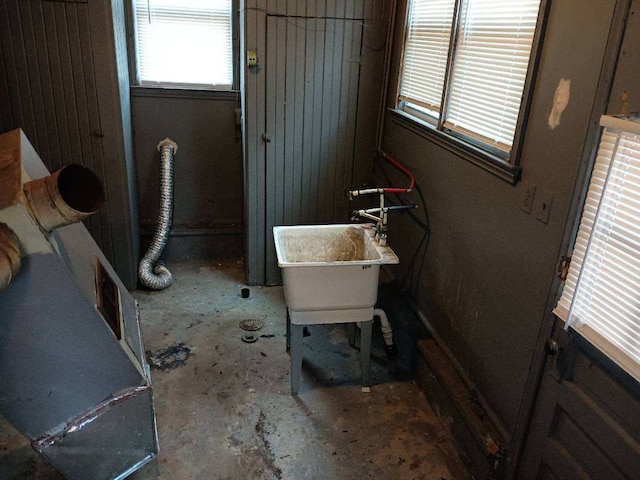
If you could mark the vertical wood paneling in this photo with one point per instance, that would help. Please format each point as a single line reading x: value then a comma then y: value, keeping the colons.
x: 44, y: 69
x: 34, y: 77
x: 63, y: 130
x: 307, y: 95
x: 308, y: 113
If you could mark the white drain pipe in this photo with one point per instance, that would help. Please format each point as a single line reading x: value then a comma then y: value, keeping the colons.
x: 387, y: 333
x: 151, y: 274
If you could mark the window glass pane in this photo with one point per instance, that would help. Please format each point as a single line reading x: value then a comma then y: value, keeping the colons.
x: 426, y: 52
x: 601, y: 297
x: 184, y: 42
x: 493, y: 46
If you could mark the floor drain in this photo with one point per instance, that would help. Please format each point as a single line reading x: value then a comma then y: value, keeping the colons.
x: 251, y: 325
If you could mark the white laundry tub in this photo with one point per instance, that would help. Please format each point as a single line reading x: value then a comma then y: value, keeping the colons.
x: 330, y: 272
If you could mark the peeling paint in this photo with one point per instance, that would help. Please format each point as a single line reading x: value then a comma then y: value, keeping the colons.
x: 560, y: 102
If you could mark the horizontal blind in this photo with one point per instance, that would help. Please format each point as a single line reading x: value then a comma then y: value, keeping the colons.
x: 426, y: 51
x: 184, y: 42
x: 601, y: 296
x: 493, y: 46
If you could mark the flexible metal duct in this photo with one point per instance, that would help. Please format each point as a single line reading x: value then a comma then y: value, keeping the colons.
x: 151, y: 274
x: 9, y: 256
x: 67, y: 196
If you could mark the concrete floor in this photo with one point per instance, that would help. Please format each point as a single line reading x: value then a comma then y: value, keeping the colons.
x: 227, y: 413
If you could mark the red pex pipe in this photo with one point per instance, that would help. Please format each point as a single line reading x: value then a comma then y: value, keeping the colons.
x: 404, y: 170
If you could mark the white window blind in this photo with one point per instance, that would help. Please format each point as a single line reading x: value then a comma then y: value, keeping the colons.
x: 426, y: 52
x: 184, y: 42
x: 490, y: 66
x: 601, y: 296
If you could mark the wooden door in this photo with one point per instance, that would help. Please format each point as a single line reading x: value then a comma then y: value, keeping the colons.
x: 312, y: 83
x: 586, y: 424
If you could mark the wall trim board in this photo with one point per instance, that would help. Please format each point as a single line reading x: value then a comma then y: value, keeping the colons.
x: 509, y: 173
x: 148, y: 231
x: 164, y: 92
x: 501, y: 432
x: 476, y: 439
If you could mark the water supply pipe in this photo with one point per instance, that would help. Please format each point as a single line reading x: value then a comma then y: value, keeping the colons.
x: 67, y: 196
x: 152, y: 274
x: 9, y: 256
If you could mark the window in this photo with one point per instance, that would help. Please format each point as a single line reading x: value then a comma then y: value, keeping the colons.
x: 601, y: 296
x: 184, y: 42
x: 465, y: 66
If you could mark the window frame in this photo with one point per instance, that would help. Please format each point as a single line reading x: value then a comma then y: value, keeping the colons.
x: 181, y: 89
x: 498, y: 162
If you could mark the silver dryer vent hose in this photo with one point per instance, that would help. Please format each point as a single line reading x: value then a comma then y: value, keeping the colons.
x: 153, y: 275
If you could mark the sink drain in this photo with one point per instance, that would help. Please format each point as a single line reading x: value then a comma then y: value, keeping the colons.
x: 251, y: 325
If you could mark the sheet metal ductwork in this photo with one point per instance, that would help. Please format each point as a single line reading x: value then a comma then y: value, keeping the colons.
x: 70, y: 336
x: 9, y: 256
x: 67, y: 196
x: 151, y: 274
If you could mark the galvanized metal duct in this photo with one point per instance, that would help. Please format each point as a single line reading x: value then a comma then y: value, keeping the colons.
x: 9, y: 256
x: 151, y: 274
x: 67, y: 196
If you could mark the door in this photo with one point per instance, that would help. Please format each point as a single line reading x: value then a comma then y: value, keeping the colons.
x: 312, y: 84
x: 586, y: 424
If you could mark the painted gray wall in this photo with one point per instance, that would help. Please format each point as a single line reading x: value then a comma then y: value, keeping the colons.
x: 489, y: 265
x: 63, y: 80
x: 208, y: 189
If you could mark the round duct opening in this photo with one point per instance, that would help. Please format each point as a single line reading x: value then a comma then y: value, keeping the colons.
x: 67, y: 196
x: 80, y: 188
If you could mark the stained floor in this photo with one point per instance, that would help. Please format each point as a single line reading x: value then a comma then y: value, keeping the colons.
x: 225, y: 411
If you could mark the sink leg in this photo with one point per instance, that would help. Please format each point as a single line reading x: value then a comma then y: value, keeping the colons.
x: 365, y: 352
x: 351, y: 333
x: 288, y: 334
x: 296, y: 357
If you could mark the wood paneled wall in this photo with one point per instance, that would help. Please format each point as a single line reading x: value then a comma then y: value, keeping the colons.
x: 279, y: 30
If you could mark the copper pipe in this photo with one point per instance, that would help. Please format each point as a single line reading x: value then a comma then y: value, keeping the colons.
x: 9, y: 256
x: 67, y: 196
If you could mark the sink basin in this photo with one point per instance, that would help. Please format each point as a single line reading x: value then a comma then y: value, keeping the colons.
x: 330, y: 272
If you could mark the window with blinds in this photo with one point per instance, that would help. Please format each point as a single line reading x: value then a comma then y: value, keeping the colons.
x: 471, y: 85
x: 184, y: 42
x: 601, y: 296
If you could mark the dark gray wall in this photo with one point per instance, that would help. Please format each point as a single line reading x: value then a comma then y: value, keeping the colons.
x: 208, y: 186
x: 63, y: 80
x: 489, y: 265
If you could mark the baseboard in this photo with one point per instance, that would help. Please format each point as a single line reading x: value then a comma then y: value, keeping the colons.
x: 213, y: 243
x: 480, y: 444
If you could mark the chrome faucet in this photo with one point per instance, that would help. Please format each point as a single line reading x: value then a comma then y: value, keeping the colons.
x: 379, y: 214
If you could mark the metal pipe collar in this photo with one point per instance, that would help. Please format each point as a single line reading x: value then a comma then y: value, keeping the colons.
x: 67, y: 196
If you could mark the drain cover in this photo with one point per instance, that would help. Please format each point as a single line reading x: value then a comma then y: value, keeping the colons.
x: 251, y: 325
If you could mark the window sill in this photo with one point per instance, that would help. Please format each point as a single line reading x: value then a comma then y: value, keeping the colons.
x: 182, y: 92
x: 476, y: 156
